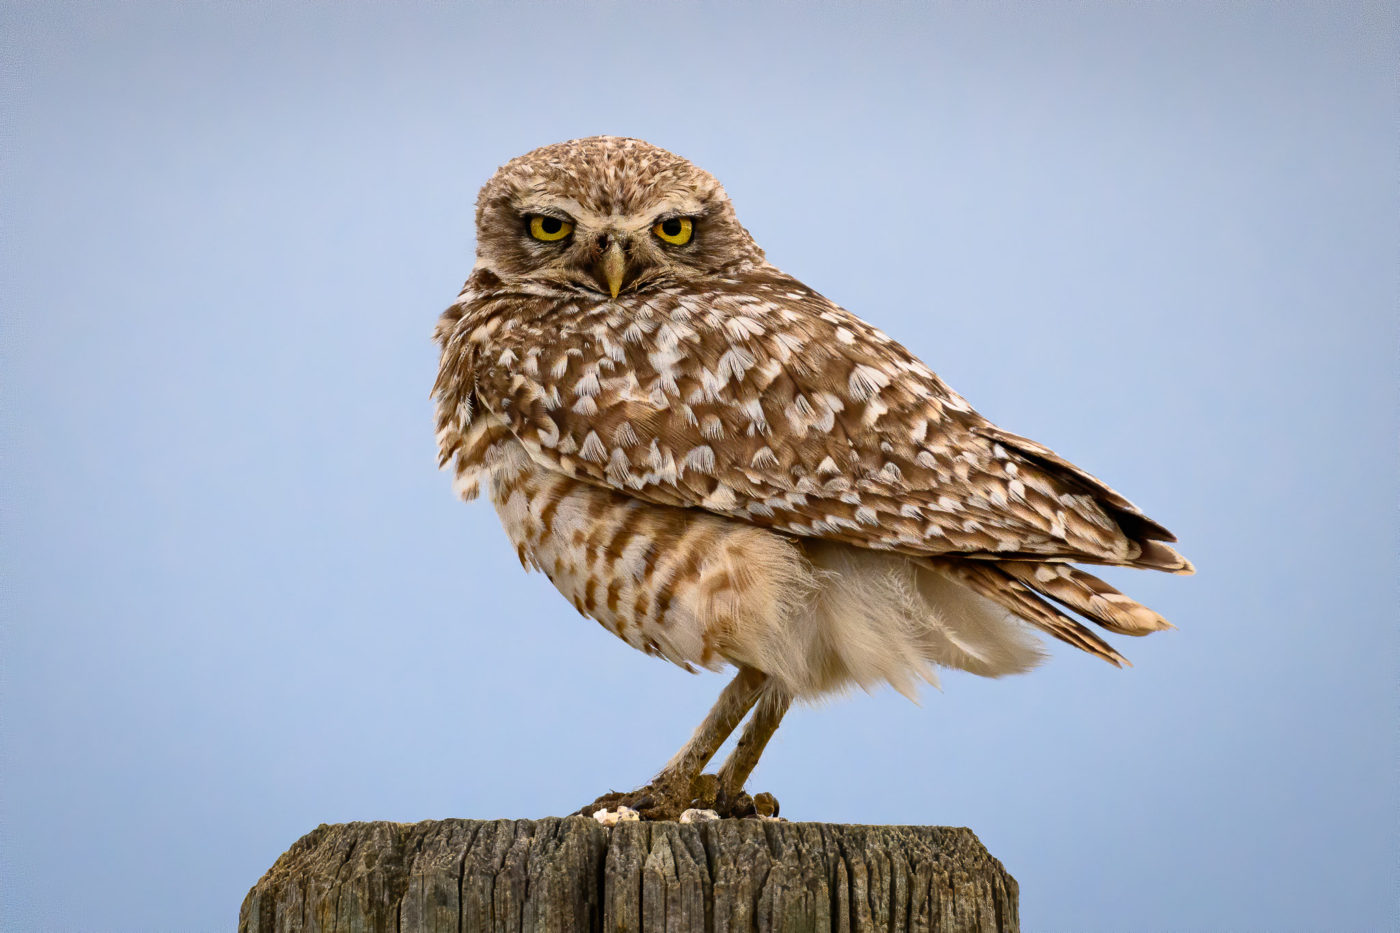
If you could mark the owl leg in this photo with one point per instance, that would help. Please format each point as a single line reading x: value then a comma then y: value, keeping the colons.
x: 732, y: 800
x: 672, y: 791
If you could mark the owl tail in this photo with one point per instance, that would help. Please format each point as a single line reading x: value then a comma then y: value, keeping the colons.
x: 1087, y: 595
x: 1019, y: 585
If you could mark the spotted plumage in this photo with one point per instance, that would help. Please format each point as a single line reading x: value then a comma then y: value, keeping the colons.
x: 720, y: 465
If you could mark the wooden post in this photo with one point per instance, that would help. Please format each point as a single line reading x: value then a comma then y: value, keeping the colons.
x: 572, y: 874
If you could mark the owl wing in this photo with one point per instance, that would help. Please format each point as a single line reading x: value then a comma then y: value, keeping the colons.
x: 761, y: 400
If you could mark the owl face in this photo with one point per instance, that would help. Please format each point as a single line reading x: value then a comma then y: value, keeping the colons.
x: 607, y: 215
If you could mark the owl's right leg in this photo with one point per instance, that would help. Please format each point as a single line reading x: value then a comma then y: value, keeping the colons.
x: 731, y: 799
x: 673, y: 790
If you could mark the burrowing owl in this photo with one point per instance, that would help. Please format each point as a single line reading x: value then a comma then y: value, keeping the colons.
x: 721, y: 466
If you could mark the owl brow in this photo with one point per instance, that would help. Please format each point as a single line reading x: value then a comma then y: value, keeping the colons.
x: 693, y: 216
x: 527, y: 212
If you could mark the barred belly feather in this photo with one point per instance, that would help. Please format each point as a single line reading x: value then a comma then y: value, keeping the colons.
x: 701, y: 590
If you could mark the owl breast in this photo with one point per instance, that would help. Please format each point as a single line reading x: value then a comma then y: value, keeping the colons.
x: 672, y: 582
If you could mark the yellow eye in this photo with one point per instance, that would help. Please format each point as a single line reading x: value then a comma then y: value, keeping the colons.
x: 550, y: 229
x: 674, y: 230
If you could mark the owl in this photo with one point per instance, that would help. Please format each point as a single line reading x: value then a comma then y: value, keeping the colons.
x: 723, y: 467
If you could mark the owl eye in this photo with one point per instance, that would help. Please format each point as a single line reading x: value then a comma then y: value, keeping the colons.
x: 549, y: 229
x: 675, y: 230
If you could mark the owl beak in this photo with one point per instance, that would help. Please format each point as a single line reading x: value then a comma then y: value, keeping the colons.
x: 614, y: 265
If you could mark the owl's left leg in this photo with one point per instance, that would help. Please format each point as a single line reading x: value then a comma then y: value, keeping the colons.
x: 673, y: 790
x: 734, y: 773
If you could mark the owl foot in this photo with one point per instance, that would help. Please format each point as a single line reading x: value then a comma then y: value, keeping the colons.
x: 655, y: 801
x: 666, y: 800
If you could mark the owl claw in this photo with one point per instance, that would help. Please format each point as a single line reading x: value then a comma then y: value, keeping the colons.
x: 742, y: 806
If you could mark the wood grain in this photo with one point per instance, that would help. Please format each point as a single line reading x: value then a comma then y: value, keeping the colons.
x: 571, y: 874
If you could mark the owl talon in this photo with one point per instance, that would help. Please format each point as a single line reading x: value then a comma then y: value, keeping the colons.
x: 705, y: 791
x: 742, y: 806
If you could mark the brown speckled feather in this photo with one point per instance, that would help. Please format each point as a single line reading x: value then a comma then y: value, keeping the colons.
x: 761, y: 400
x: 611, y: 388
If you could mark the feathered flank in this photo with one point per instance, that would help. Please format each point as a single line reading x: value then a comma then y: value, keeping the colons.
x: 818, y: 617
x: 877, y: 616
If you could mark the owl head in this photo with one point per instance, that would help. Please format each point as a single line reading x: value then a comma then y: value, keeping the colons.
x: 607, y: 215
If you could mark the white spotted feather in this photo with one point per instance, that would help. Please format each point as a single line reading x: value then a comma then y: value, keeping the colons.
x: 721, y: 465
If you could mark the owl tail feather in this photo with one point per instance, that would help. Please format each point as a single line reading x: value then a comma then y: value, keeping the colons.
x: 1087, y: 595
x: 1158, y: 556
x: 1002, y: 583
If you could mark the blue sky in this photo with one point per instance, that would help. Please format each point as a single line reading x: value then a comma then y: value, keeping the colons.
x: 239, y: 600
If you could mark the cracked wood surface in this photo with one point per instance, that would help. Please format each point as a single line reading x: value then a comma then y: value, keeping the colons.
x: 572, y: 874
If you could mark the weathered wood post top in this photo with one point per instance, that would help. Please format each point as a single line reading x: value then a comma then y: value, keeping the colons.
x: 574, y: 874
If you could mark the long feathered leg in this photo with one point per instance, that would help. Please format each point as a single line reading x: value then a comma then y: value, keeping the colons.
x: 735, y: 771
x: 724, y: 717
x: 670, y: 792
